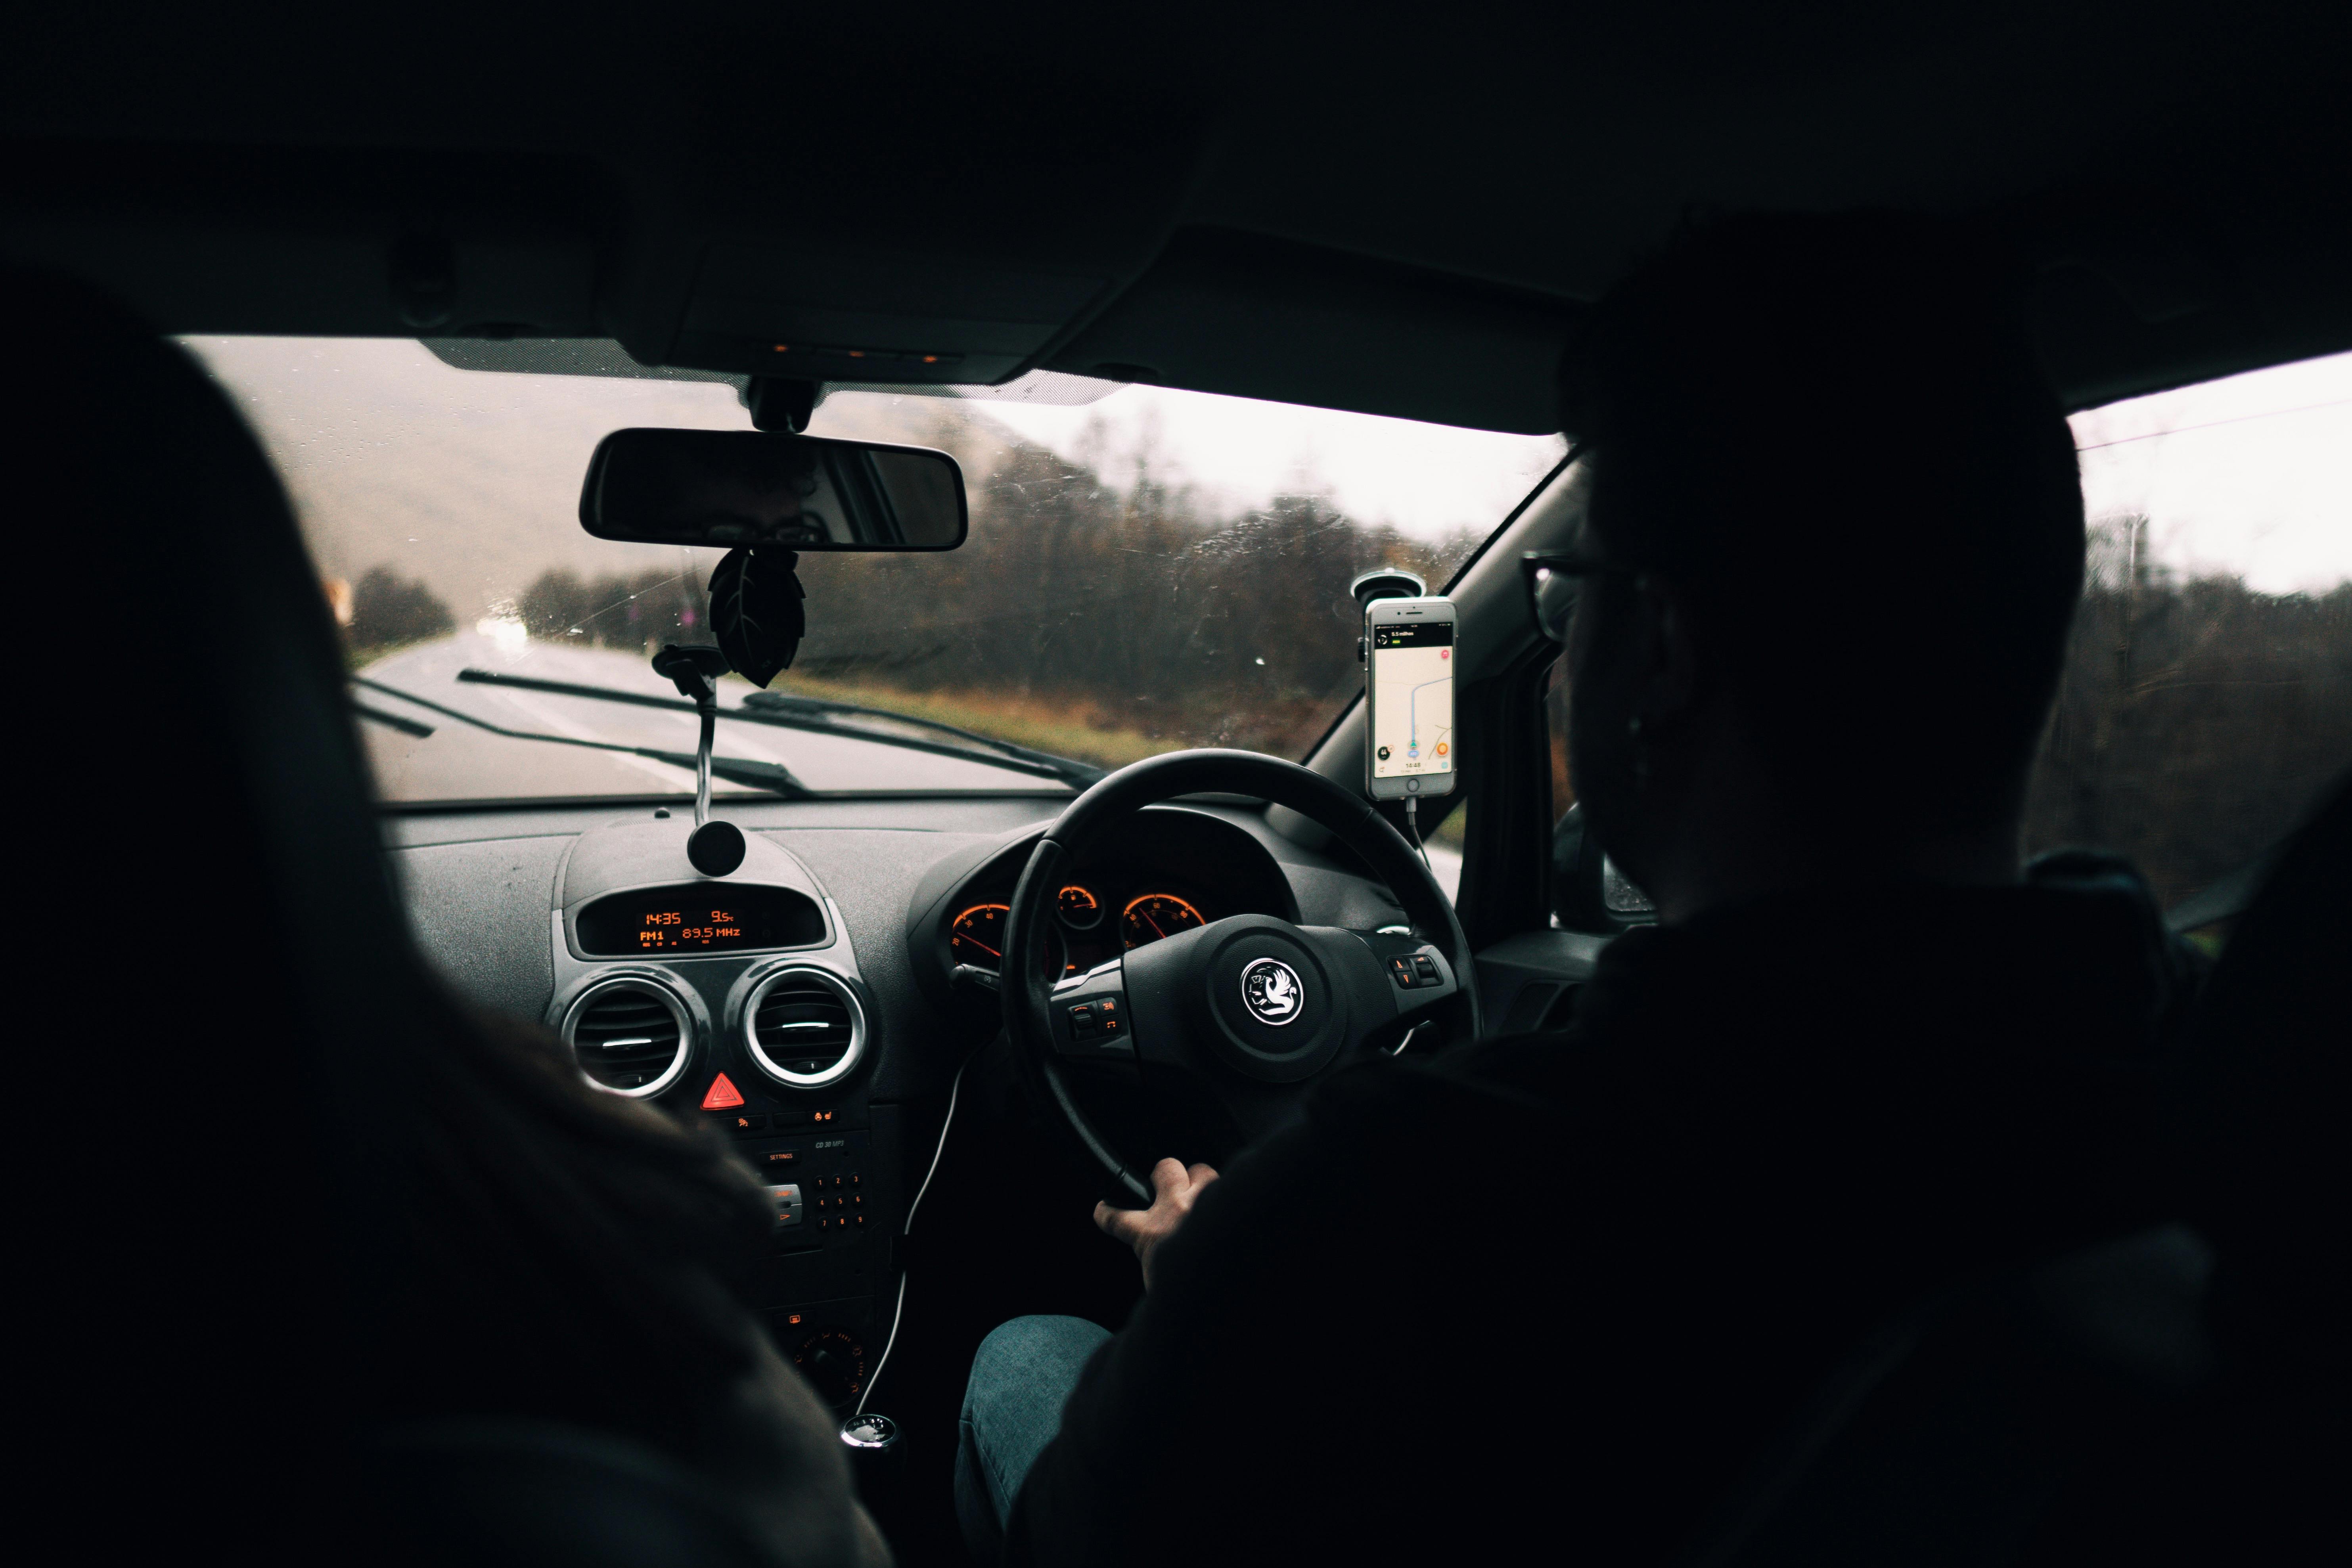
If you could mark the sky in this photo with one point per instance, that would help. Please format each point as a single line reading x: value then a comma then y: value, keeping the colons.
x: 2251, y: 475
x: 1427, y: 479
x: 469, y: 480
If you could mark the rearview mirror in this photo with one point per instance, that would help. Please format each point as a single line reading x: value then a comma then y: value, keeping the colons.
x: 726, y: 488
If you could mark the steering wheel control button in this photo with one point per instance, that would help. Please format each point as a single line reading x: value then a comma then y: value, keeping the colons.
x: 1273, y: 992
x: 787, y: 1199
x: 1400, y: 970
x: 1097, y: 1018
x: 1426, y: 968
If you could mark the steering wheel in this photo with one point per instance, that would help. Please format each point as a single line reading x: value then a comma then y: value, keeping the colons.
x: 1248, y: 1010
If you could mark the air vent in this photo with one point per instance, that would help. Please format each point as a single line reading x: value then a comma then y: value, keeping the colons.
x: 804, y: 1027
x: 631, y: 1037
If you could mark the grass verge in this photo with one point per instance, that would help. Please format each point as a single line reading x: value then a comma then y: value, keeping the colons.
x: 1077, y: 729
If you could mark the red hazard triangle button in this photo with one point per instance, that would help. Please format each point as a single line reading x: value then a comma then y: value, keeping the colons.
x: 723, y: 1096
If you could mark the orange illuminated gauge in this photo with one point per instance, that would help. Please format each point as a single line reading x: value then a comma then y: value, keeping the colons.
x: 977, y: 936
x: 1155, y: 915
x: 1080, y: 909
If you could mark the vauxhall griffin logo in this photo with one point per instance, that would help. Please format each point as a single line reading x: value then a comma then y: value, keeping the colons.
x: 1270, y: 990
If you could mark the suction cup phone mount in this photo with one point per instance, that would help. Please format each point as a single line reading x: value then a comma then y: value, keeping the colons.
x: 1387, y: 582
x: 715, y: 847
x: 1384, y: 583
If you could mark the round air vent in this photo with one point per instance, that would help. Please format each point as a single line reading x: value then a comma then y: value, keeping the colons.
x: 631, y: 1037
x: 804, y: 1027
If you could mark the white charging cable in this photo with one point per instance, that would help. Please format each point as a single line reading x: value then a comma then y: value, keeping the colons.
x: 1412, y: 827
x: 899, y: 1310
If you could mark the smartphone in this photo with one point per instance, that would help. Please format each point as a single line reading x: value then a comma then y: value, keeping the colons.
x: 1411, y: 747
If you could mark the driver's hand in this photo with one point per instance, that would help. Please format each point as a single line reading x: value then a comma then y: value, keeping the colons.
x: 1174, y: 1191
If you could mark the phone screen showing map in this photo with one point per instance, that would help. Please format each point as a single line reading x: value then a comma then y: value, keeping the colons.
x: 1412, y: 699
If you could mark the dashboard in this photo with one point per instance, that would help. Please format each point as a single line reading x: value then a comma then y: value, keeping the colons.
x: 808, y: 1004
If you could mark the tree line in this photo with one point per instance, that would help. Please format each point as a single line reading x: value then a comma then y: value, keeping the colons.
x: 2197, y: 720
x: 1132, y: 605
x: 387, y: 610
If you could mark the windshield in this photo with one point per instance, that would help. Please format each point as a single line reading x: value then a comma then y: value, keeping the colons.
x: 1148, y: 570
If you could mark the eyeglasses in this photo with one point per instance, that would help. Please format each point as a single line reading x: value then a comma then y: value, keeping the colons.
x: 1555, y: 581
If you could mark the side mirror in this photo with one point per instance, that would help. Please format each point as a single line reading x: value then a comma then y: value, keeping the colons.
x: 1588, y: 892
x: 729, y: 488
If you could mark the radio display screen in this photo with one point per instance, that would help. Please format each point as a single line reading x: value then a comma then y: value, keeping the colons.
x: 710, y: 918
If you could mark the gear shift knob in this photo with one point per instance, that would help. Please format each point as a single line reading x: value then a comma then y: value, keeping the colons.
x: 875, y: 1451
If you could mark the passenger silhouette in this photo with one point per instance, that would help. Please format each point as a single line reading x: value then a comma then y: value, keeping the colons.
x: 379, y: 1277
x: 1563, y: 1287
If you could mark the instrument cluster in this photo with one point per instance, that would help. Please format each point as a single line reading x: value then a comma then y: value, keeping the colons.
x: 1174, y: 868
x: 1096, y: 920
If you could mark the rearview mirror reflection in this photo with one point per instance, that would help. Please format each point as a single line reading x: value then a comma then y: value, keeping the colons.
x: 726, y: 488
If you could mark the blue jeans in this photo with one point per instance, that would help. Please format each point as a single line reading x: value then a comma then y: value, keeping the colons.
x: 1012, y: 1408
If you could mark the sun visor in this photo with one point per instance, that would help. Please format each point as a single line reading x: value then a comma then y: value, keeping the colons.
x: 1253, y: 317
x: 559, y: 356
x: 604, y: 356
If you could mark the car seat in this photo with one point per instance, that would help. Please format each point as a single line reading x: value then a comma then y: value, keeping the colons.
x: 2178, y: 1396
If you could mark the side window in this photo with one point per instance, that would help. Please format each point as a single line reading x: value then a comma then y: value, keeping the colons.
x: 2206, y: 699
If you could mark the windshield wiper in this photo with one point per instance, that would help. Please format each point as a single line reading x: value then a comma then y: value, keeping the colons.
x: 773, y: 777
x: 785, y: 702
x: 392, y: 720
x: 813, y: 715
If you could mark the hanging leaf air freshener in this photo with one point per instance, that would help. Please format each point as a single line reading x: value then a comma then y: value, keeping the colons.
x: 757, y: 610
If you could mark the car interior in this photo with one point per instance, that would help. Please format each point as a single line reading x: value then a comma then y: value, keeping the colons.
x: 927, y: 976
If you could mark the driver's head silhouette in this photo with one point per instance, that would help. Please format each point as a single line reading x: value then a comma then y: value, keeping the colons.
x: 1842, y: 506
